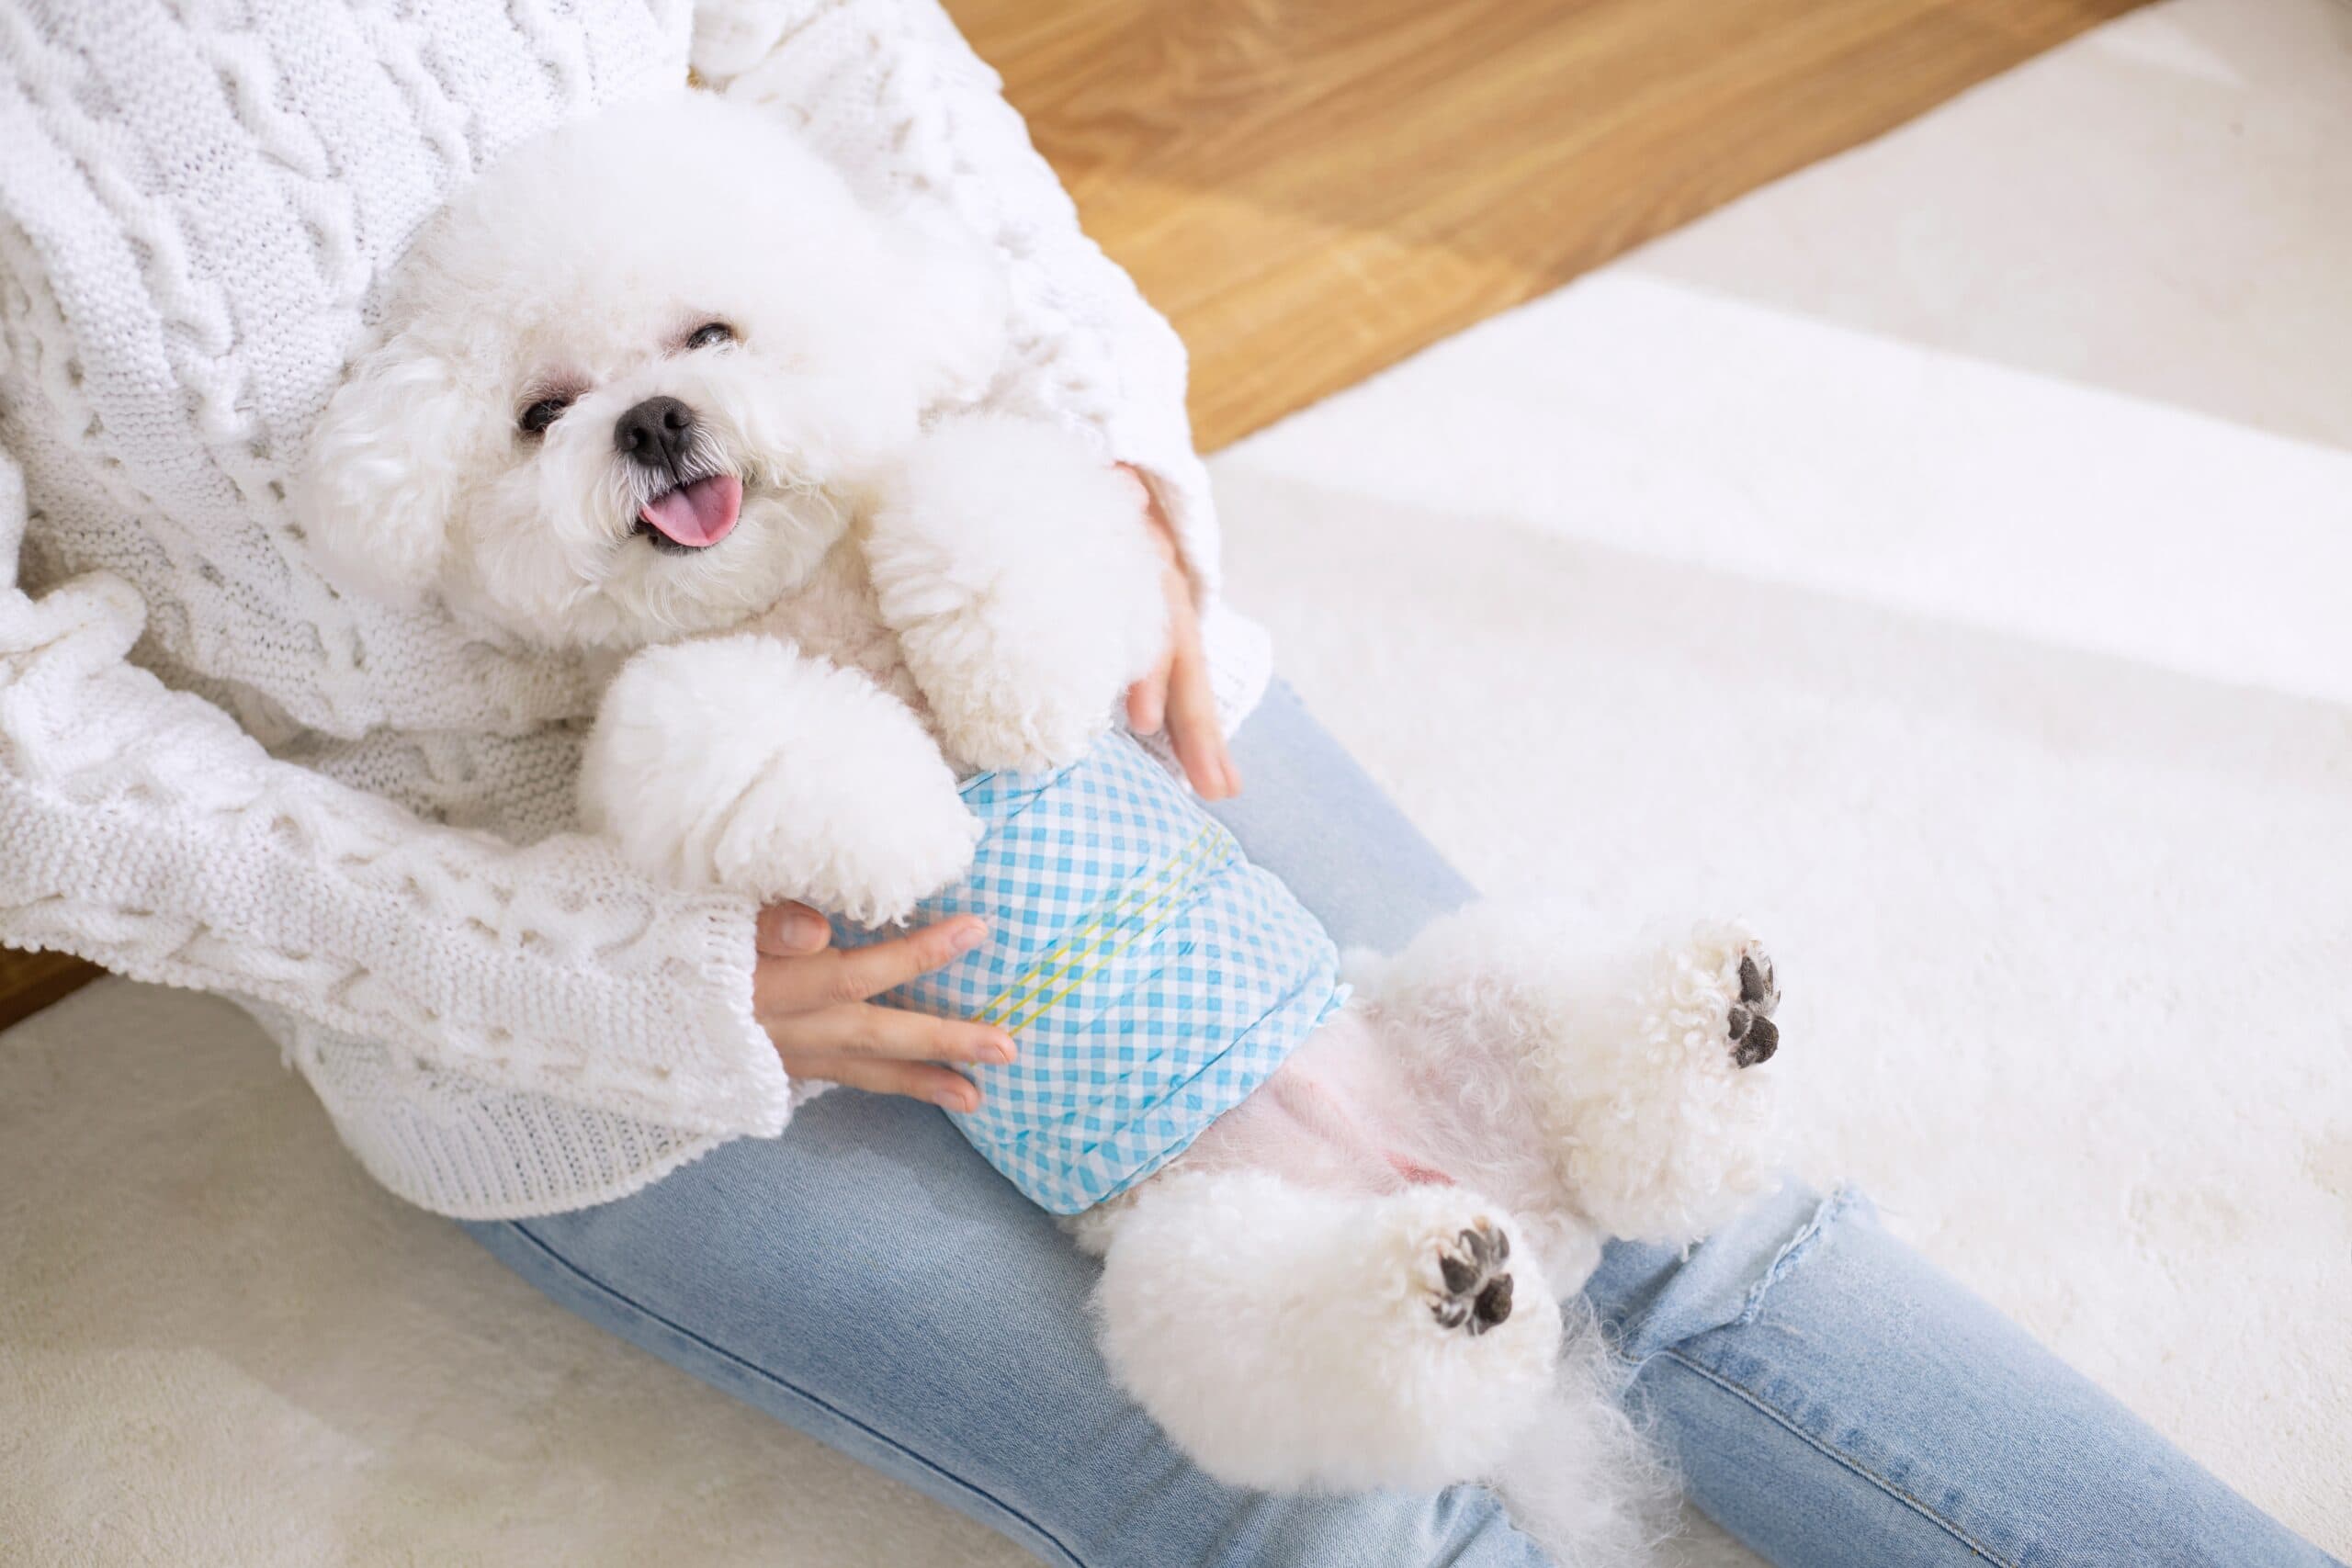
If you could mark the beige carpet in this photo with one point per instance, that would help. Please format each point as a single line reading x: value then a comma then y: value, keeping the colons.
x: 1875, y: 558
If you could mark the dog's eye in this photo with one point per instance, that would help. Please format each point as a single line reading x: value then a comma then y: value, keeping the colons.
x: 710, y: 333
x: 535, y: 420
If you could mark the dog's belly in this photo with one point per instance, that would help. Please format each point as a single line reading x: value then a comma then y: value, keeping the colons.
x: 1362, y: 1107
x: 1341, y: 1112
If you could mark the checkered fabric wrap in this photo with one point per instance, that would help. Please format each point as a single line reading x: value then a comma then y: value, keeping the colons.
x: 1151, y: 975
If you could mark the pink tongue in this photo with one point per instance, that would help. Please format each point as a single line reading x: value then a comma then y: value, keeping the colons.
x: 698, y: 514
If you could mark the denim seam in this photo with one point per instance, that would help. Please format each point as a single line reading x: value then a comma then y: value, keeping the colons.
x: 795, y: 1390
x: 1889, y: 1487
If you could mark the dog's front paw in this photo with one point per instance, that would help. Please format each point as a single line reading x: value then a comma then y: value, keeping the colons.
x: 1022, y: 726
x: 740, y: 765
x: 868, y: 843
x: 1025, y: 592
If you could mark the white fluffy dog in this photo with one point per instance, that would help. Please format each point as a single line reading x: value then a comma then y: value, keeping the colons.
x: 721, y: 450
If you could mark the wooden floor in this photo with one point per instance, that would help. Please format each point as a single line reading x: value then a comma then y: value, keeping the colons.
x: 30, y: 981
x: 1314, y: 189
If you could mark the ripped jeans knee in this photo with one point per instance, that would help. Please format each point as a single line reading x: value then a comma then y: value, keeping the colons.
x: 1650, y: 1298
x: 1831, y: 1398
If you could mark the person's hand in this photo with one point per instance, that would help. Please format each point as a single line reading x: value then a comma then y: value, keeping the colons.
x: 1176, y: 695
x: 813, y: 1000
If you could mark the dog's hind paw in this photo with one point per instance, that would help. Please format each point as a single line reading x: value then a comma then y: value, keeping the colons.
x: 1749, y: 1020
x: 1473, y: 1288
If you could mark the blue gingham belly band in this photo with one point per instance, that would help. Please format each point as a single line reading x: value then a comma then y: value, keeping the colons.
x: 1151, y: 977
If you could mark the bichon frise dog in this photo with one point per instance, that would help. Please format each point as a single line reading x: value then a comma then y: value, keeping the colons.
x: 867, y: 646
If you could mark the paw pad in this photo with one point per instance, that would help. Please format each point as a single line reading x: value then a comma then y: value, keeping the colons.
x: 1754, y: 1035
x: 1476, y: 1295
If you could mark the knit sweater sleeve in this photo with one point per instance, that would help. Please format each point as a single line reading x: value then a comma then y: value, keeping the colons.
x: 141, y: 828
x: 892, y: 94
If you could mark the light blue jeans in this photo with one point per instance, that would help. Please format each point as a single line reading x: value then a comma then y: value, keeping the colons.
x: 1830, y: 1397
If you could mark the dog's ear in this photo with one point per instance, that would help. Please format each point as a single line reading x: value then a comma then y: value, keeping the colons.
x: 382, y: 468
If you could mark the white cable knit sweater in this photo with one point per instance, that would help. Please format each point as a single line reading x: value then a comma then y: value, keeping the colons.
x: 214, y: 771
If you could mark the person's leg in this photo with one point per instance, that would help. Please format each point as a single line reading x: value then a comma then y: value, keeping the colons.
x: 1831, y: 1399
x: 867, y: 1279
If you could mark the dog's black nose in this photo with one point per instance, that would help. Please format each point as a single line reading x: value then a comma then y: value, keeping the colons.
x: 656, y: 432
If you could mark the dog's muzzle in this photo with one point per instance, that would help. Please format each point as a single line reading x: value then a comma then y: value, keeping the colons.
x: 695, y: 507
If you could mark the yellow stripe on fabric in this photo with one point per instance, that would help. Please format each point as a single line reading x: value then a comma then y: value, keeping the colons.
x: 1098, y: 939
x: 1049, y: 964
x: 1148, y: 918
x: 1084, y: 940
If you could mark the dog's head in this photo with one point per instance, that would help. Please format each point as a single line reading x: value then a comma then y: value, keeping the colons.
x: 630, y: 378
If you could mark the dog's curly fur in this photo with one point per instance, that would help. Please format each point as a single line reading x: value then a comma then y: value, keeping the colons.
x: 826, y: 592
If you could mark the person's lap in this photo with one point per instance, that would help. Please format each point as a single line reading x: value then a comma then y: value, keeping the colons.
x: 867, y: 1279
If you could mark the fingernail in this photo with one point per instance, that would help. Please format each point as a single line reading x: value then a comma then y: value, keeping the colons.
x: 970, y: 936
x: 958, y: 1098
x: 1001, y: 1049
x: 803, y: 929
